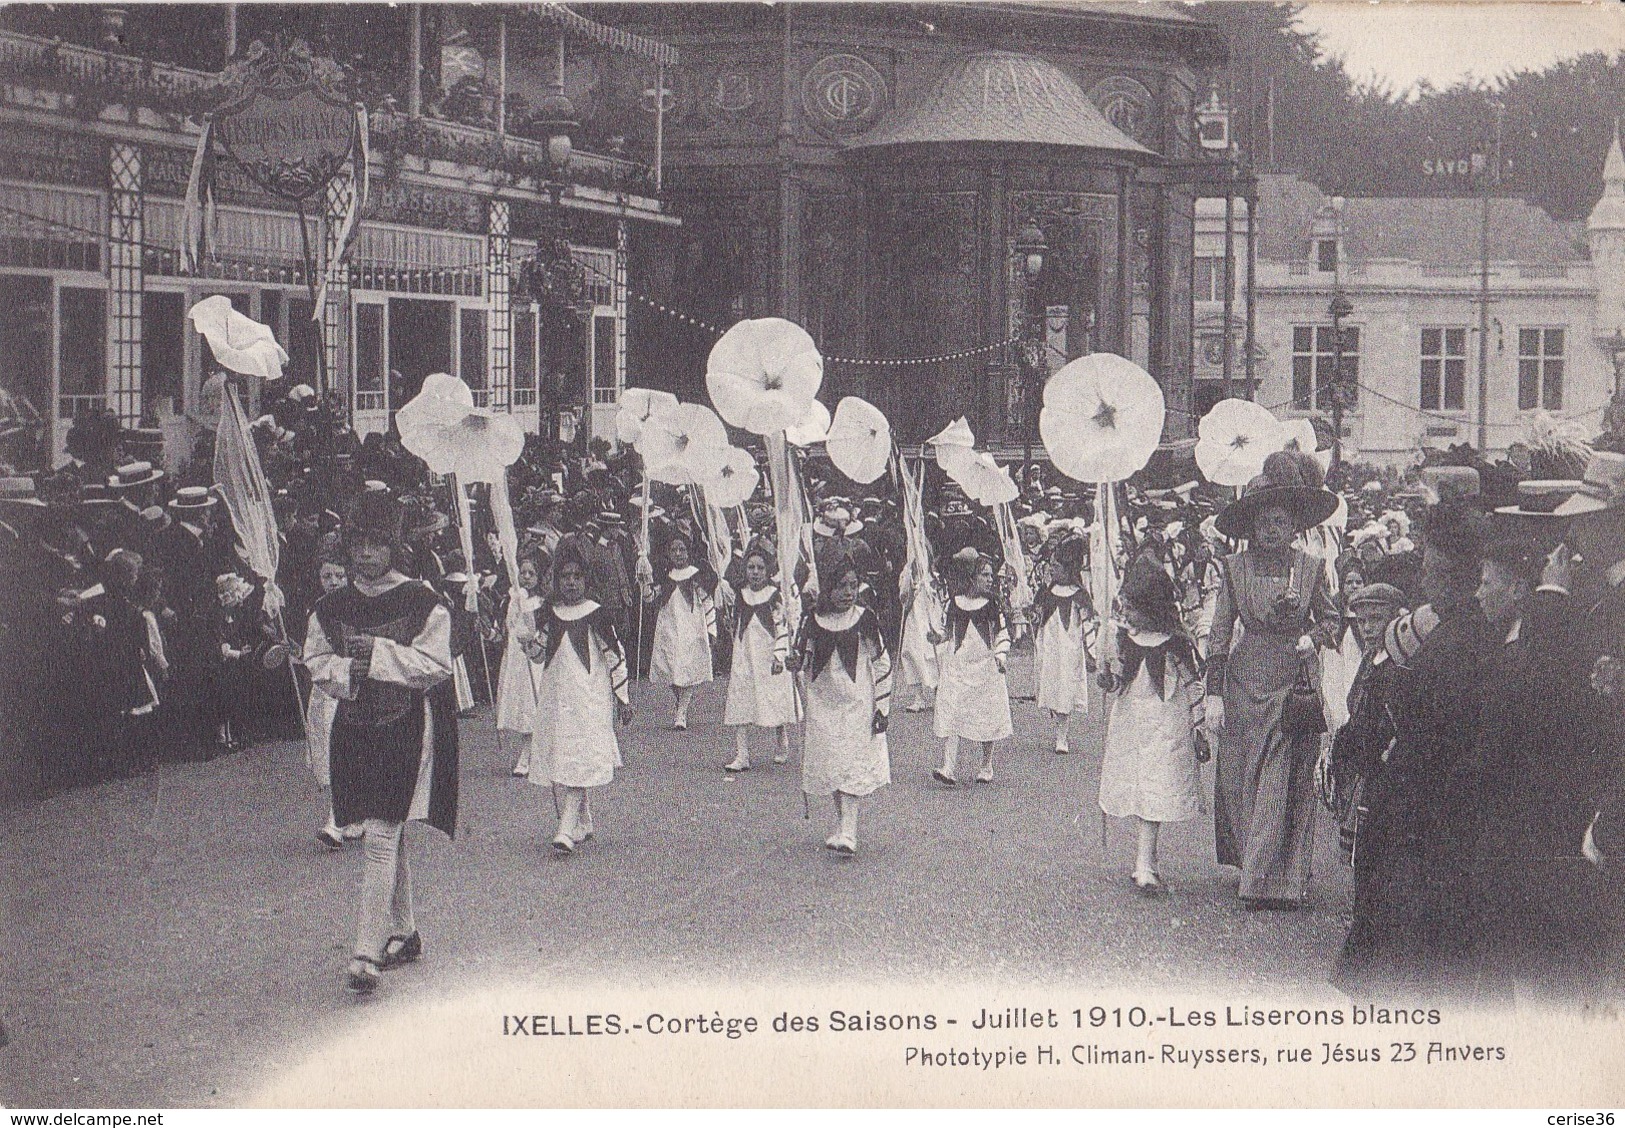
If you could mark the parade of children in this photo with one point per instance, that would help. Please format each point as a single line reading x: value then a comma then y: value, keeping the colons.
x: 755, y: 565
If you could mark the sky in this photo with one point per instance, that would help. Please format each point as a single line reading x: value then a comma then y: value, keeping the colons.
x: 1402, y: 41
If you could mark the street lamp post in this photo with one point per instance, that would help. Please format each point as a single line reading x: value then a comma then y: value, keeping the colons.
x: 1340, y: 308
x: 1029, y: 249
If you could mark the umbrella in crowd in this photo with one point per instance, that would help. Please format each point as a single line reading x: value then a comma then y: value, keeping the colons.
x: 859, y: 442
x: 764, y: 374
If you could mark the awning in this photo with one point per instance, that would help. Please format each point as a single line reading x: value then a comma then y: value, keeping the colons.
x: 577, y: 24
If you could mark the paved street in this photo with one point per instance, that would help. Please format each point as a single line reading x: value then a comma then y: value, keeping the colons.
x: 174, y: 939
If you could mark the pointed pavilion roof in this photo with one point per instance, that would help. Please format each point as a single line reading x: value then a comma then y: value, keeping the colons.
x: 1004, y: 97
x: 1609, y: 214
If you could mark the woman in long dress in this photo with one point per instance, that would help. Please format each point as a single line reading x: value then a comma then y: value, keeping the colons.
x: 516, y: 682
x: 685, y: 622
x: 1149, y: 772
x: 580, y: 693
x: 846, y: 679
x: 1264, y: 801
x: 760, y: 690
x: 1061, y: 611
x: 973, y: 699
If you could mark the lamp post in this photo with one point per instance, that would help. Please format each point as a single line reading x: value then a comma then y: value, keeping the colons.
x: 1029, y: 249
x: 1340, y: 308
x: 556, y: 117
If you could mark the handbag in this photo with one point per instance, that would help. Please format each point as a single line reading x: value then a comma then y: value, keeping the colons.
x: 1302, y: 713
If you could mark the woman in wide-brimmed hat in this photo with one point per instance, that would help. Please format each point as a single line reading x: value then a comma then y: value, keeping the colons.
x: 1264, y: 803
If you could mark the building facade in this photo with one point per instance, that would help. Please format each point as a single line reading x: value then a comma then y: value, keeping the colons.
x: 1413, y: 271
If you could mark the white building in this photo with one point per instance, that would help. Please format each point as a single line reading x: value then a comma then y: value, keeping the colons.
x: 1411, y: 269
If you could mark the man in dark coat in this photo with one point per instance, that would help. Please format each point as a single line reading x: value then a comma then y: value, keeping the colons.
x: 1417, y: 845
x: 1538, y: 773
x: 189, y: 569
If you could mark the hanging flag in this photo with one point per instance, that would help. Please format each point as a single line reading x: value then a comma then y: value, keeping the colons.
x: 241, y: 481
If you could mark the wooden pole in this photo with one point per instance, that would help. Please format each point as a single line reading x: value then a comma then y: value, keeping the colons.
x: 414, y: 93
x: 502, y: 75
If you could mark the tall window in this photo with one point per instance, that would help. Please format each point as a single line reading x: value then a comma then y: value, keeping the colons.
x: 369, y: 356
x: 605, y: 385
x: 1444, y: 369
x: 471, y: 345
x: 1314, y: 366
x: 1540, y: 369
x: 1326, y: 255
x: 524, y: 357
x: 305, y: 344
x: 82, y: 354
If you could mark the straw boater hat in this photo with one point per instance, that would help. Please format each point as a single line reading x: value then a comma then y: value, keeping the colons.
x: 1542, y: 497
x: 133, y: 474
x: 192, y: 499
x: 1291, y: 481
x: 1603, y: 486
x: 20, y: 491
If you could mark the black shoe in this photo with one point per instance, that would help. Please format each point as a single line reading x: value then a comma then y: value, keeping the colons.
x: 327, y: 838
x: 403, y: 950
x: 362, y: 976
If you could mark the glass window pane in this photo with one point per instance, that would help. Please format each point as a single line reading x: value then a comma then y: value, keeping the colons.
x: 1301, y: 381
x: 1303, y: 338
x: 471, y: 347
x: 603, y: 359
x: 1552, y: 397
x: 83, y: 351
x: 1323, y: 338
x: 1528, y: 342
x: 369, y: 347
x: 1430, y: 341
x: 1554, y: 342
x: 1456, y: 342
x: 163, y: 347
x: 304, y: 342
x: 1528, y: 384
x: 1455, y: 385
x: 524, y: 349
x: 1351, y: 339
x: 1430, y: 383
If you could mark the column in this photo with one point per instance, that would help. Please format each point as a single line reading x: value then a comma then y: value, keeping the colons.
x: 499, y: 333
x: 335, y: 375
x: 620, y: 306
x: 124, y: 274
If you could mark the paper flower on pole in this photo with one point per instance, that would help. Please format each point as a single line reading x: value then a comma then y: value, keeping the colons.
x: 1102, y: 418
x: 1234, y: 438
x: 686, y: 444
x: 239, y: 343
x: 813, y: 428
x: 764, y: 374
x: 733, y: 482
x: 1300, y: 434
x: 956, y: 448
x: 442, y: 426
x: 986, y: 482
x: 636, y: 407
x: 859, y: 440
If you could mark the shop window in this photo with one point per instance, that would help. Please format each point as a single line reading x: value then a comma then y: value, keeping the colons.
x: 1314, y: 366
x: 471, y: 352
x: 304, y: 343
x: 163, y: 348
x: 1540, y: 369
x: 82, y: 351
x: 369, y: 357
x: 1444, y: 370
x: 524, y: 357
x: 605, y: 379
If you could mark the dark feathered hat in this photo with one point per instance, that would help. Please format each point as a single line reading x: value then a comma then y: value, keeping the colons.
x: 1293, y: 481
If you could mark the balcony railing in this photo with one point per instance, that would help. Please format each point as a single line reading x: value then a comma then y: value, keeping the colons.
x: 518, y: 157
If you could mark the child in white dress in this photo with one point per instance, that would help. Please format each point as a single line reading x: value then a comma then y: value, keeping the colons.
x: 1061, y: 612
x: 1150, y: 771
x: 319, y: 715
x: 516, y: 682
x: 973, y: 698
x: 846, y: 680
x: 760, y: 690
x: 580, y: 693
x: 685, y: 623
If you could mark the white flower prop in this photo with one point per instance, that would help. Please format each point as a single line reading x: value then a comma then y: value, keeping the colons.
x: 637, y: 407
x: 1299, y: 434
x: 1235, y: 437
x: 956, y: 448
x: 734, y: 481
x: 686, y: 444
x: 764, y: 374
x: 442, y: 426
x: 813, y: 428
x: 988, y: 483
x: 1102, y: 418
x: 859, y: 442
x: 237, y: 342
